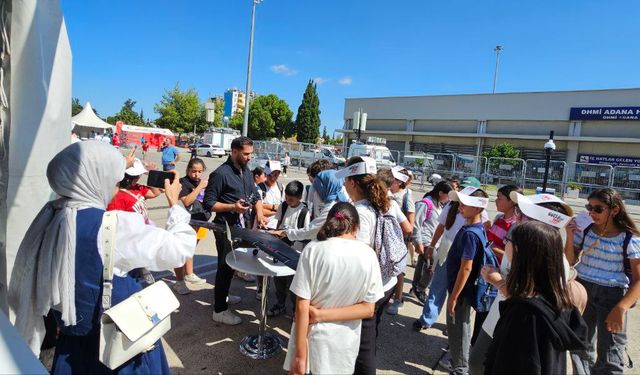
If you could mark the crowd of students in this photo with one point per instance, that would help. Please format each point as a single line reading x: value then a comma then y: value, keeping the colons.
x: 535, y: 296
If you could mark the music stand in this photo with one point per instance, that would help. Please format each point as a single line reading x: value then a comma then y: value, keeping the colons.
x: 263, y: 345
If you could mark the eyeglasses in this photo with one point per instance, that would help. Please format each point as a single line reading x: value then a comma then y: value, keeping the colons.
x: 597, y: 208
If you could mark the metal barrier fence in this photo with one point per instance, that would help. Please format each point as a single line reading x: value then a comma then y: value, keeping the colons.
x: 505, y: 171
x: 626, y: 180
x: 470, y: 166
x: 590, y: 177
x: 494, y: 171
x: 534, y: 174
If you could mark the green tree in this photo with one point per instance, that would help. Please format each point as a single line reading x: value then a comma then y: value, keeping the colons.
x: 325, y: 136
x: 269, y: 116
x: 218, y: 113
x: 308, y: 117
x: 127, y: 115
x: 180, y: 110
x: 236, y: 121
x: 504, y: 151
x: 76, y: 107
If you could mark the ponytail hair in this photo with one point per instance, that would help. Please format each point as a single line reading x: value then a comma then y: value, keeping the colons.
x: 451, y: 214
x: 454, y: 205
x: 441, y: 187
x: 195, y: 161
x: 371, y: 187
x: 341, y: 219
x: 611, y: 198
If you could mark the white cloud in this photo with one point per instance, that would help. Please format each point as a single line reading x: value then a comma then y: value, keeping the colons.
x: 283, y: 69
x: 320, y: 80
x: 346, y: 81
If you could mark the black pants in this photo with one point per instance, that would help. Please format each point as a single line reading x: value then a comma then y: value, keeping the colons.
x: 224, y: 275
x: 282, y: 289
x: 284, y: 169
x: 366, y: 360
x: 477, y: 325
x: 423, y: 274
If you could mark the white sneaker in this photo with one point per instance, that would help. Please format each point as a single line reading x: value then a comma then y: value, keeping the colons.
x: 226, y: 317
x: 394, y: 307
x: 232, y: 300
x: 194, y: 279
x: 180, y: 287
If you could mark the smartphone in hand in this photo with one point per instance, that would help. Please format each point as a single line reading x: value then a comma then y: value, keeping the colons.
x: 156, y: 178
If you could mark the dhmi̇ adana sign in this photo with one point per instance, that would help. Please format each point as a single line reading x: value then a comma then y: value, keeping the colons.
x: 613, y: 161
x: 605, y: 113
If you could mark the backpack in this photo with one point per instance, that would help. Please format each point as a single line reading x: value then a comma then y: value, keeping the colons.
x: 429, y: 211
x: 262, y: 186
x: 405, y: 202
x: 389, y: 246
x: 482, y: 293
x: 626, y: 264
x: 301, y: 218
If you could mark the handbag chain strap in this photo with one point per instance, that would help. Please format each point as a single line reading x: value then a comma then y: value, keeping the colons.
x: 108, y: 242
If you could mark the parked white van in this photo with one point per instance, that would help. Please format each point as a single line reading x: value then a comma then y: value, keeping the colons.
x: 374, y: 148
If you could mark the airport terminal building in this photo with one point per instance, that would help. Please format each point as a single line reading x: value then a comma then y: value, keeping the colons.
x: 591, y: 126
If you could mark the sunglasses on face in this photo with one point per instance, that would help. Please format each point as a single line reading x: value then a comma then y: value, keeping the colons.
x: 597, y: 208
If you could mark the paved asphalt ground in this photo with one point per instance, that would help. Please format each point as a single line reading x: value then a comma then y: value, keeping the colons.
x: 197, y: 345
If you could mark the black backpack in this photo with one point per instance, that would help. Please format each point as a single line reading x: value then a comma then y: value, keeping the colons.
x: 301, y: 218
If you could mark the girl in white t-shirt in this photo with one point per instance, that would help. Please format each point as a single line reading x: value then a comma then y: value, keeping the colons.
x: 370, y: 198
x: 337, y: 283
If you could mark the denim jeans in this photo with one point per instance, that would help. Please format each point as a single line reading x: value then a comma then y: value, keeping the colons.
x: 607, y: 355
x: 459, y: 331
x: 437, y: 295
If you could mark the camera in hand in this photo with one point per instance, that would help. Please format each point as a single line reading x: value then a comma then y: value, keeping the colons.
x: 251, y: 199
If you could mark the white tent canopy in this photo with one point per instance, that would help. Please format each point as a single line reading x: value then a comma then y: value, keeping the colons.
x: 86, y: 120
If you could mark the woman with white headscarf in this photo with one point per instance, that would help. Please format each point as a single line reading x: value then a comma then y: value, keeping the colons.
x: 59, y: 262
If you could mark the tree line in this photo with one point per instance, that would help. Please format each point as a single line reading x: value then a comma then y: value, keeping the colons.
x: 269, y: 116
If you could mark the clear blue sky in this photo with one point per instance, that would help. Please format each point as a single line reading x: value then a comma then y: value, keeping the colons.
x: 355, y: 48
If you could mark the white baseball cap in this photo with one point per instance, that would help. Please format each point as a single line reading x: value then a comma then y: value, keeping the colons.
x: 464, y: 196
x: 274, y: 165
x: 366, y: 166
x: 399, y: 175
x: 529, y: 205
x: 137, y: 169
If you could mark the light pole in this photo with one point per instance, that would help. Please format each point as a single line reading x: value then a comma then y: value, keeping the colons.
x: 495, y: 73
x: 247, y: 94
x: 359, y: 123
x: 549, y: 147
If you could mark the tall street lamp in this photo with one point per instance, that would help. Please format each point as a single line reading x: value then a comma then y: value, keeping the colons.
x: 359, y: 123
x: 247, y: 95
x: 549, y: 147
x: 495, y: 73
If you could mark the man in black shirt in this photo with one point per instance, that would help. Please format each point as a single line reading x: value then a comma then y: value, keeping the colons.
x: 228, y: 188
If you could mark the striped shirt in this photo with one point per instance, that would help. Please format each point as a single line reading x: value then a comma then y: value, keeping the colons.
x: 602, y: 260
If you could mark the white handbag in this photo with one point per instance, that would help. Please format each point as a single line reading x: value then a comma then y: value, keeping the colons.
x: 134, y: 325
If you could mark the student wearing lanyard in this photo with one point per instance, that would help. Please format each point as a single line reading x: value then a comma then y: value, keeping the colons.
x: 228, y: 188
